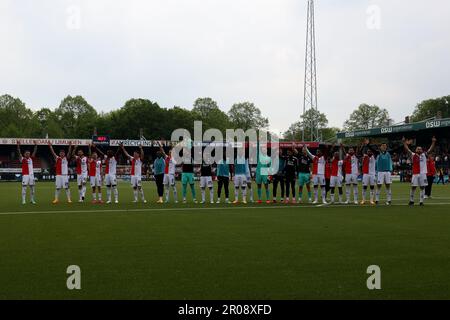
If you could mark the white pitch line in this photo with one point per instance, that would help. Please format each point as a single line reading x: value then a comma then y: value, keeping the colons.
x: 210, y: 209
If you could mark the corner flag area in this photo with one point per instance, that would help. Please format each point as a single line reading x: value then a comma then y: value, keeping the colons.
x: 222, y: 251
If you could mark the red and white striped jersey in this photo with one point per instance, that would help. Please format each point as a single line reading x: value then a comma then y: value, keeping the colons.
x: 111, y: 165
x: 136, y: 167
x: 81, y: 165
x: 95, y: 168
x: 368, y: 166
x: 351, y: 164
x: 170, y: 166
x: 318, y: 165
x: 419, y: 163
x: 27, y: 166
x: 62, y: 166
x: 336, y: 168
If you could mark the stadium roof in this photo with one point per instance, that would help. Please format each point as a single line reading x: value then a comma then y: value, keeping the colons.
x: 403, y: 128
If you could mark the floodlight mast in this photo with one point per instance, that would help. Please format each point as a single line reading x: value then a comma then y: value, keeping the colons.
x: 310, y: 84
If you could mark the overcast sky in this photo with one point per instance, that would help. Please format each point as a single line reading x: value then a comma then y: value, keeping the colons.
x: 393, y: 53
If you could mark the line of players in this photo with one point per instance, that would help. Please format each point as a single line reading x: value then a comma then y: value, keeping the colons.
x: 335, y: 170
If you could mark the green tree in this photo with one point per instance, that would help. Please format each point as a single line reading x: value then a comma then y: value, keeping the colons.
x: 16, y: 120
x: 246, y: 115
x: 311, y: 118
x: 207, y: 110
x: 48, y: 124
x: 367, y: 117
x: 77, y: 117
x: 430, y: 108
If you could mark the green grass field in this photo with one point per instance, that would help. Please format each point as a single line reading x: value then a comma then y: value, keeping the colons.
x: 151, y: 251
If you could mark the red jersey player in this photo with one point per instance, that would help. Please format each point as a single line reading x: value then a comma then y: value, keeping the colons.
x: 419, y: 169
x: 136, y: 172
x: 62, y: 172
x: 27, y: 172
x: 336, y: 176
x: 95, y: 176
x: 369, y: 172
x: 110, y: 160
x: 318, y: 173
x: 82, y: 172
x: 351, y: 167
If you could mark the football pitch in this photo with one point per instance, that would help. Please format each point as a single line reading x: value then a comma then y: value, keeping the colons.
x: 193, y: 251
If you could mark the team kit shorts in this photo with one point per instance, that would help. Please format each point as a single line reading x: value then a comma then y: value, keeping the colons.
x: 81, y: 179
x: 351, y: 178
x: 62, y: 182
x: 318, y: 180
x: 169, y: 179
x: 368, y: 180
x: 336, y: 181
x: 206, y: 182
x: 384, y: 178
x: 136, y: 181
x: 95, y: 181
x: 111, y: 180
x: 419, y: 180
x: 187, y: 178
x: 262, y: 179
x: 240, y: 180
x: 28, y: 180
x: 304, y: 178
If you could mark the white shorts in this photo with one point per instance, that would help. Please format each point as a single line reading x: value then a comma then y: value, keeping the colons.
x: 368, y: 180
x: 318, y: 180
x: 81, y: 179
x: 62, y: 182
x: 240, y: 180
x: 206, y: 182
x: 136, y: 181
x: 96, y: 181
x: 111, y: 180
x: 419, y: 180
x: 336, y: 182
x: 169, y: 179
x: 28, y: 180
x: 351, y: 179
x: 384, y: 178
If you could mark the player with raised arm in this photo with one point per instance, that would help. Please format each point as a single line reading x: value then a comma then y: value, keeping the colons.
x: 169, y: 174
x: 419, y: 168
x: 95, y: 175
x: 318, y: 172
x: 136, y: 172
x: 62, y: 172
x: 110, y: 161
x: 82, y: 172
x: 26, y: 159
x: 351, y: 165
x: 384, y: 168
x: 336, y: 177
x: 206, y: 181
x: 368, y: 170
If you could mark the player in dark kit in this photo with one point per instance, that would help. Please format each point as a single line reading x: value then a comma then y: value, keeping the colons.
x: 187, y: 178
x: 290, y: 171
x: 304, y: 174
x: 278, y: 179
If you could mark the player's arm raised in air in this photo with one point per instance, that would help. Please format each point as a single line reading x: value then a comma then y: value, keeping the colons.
x: 74, y: 152
x: 99, y: 151
x: 19, y: 153
x: 162, y: 150
x: 141, y: 152
x: 33, y: 155
x: 308, y: 152
x: 433, y: 145
x: 406, y: 146
x: 118, y: 152
x: 125, y: 151
x: 70, y: 150
x: 52, y: 151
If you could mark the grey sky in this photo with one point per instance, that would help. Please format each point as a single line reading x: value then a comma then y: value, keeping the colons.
x: 173, y: 51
